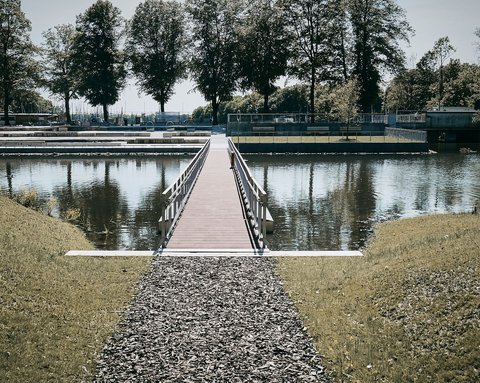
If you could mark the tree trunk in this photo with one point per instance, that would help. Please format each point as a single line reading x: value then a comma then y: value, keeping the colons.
x: 215, y: 106
x: 266, y: 107
x: 162, y: 106
x: 440, y: 87
x: 6, y: 104
x: 105, y: 112
x: 67, y: 108
x: 312, y: 96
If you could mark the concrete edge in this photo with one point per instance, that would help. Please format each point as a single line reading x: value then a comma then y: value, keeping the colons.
x: 109, y: 253
x: 210, y: 253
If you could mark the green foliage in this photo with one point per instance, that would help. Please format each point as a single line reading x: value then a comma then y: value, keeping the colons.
x: 156, y: 48
x: 417, y: 88
x: 311, y: 25
x: 29, y: 101
x: 291, y: 99
x: 96, y: 46
x: 60, y: 72
x: 214, y: 63
x: 378, y: 26
x: 264, y: 48
x: 345, y: 102
x: 18, y: 68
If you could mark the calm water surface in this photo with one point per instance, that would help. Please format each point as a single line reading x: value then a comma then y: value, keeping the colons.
x: 318, y: 202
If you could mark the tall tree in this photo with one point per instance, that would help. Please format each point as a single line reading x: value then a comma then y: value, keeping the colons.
x: 18, y: 68
x: 264, y: 48
x: 156, y: 48
x: 477, y: 43
x: 312, y: 24
x: 441, y: 51
x: 378, y: 26
x: 60, y: 72
x: 97, y: 53
x: 215, y: 47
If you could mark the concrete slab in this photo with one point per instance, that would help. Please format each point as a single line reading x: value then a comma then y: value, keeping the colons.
x: 109, y: 253
x: 210, y: 253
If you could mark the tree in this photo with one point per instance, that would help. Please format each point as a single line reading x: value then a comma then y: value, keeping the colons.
x: 264, y: 48
x: 18, y: 68
x: 312, y: 25
x: 477, y: 33
x: 156, y: 48
x: 96, y: 46
x: 60, y: 72
x: 377, y: 28
x: 291, y: 99
x: 214, y: 60
x: 462, y: 84
x: 345, y: 102
x: 441, y: 51
x: 30, y: 101
x: 410, y: 90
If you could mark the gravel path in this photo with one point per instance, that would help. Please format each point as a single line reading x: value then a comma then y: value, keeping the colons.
x: 205, y: 319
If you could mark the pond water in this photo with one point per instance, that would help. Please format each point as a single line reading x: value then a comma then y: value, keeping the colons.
x: 327, y: 202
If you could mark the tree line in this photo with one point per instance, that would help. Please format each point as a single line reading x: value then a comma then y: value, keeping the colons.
x: 224, y: 46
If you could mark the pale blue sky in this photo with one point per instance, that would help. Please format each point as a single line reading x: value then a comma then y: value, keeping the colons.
x: 431, y: 20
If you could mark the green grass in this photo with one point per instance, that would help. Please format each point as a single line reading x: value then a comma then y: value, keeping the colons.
x: 56, y: 311
x: 408, y: 311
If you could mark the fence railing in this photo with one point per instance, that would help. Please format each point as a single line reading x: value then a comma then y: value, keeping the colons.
x: 253, y: 197
x: 301, y: 118
x: 176, y: 195
x: 408, y: 134
x: 371, y: 118
x: 411, y: 118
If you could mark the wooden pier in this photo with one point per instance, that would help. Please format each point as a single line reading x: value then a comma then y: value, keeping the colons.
x: 214, y: 217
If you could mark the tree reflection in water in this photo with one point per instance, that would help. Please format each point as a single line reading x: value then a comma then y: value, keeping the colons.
x: 317, y: 201
x: 333, y: 201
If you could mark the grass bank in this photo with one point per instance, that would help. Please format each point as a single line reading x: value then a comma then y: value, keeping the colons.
x: 55, y: 312
x: 409, y: 311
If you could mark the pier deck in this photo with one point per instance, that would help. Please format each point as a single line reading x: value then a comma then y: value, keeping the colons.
x: 213, y: 217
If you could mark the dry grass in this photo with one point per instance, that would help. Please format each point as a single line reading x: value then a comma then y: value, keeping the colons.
x: 315, y: 139
x: 409, y: 311
x: 56, y: 312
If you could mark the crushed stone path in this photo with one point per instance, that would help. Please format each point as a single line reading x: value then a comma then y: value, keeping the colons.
x: 210, y: 319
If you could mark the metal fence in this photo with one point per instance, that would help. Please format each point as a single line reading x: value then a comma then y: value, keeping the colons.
x: 176, y: 195
x: 411, y: 118
x: 301, y: 118
x: 253, y: 197
x: 409, y: 134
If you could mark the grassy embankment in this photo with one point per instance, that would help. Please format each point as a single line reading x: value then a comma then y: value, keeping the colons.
x: 56, y: 312
x: 271, y: 139
x: 408, y: 311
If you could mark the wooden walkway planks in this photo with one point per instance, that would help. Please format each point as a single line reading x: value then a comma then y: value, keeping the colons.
x: 213, y: 217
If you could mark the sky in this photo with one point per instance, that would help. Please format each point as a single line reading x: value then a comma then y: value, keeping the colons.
x: 431, y: 19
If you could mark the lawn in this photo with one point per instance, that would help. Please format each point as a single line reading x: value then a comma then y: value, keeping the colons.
x: 408, y: 311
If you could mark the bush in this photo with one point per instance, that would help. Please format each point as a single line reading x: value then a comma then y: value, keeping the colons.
x: 28, y: 198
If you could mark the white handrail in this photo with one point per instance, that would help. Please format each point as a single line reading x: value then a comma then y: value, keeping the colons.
x: 176, y: 195
x: 253, y: 197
